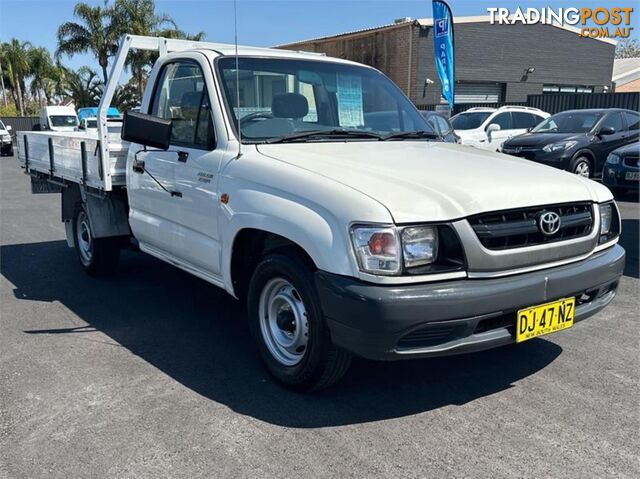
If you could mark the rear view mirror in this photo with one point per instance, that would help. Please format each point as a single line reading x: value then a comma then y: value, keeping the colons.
x: 147, y: 130
x: 606, y: 130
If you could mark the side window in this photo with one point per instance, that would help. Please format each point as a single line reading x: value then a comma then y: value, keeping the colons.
x: 502, y: 119
x: 537, y: 120
x: 181, y: 97
x: 633, y: 120
x: 615, y: 121
x: 523, y: 120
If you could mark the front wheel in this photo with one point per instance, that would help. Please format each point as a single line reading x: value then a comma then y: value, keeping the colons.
x: 581, y: 166
x: 288, y: 326
x: 98, y: 256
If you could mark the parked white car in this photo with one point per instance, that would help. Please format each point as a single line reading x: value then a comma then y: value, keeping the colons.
x: 327, y: 203
x: 6, y: 142
x: 58, y: 118
x: 488, y: 128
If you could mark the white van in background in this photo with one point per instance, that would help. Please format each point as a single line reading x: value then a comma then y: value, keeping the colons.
x: 58, y: 118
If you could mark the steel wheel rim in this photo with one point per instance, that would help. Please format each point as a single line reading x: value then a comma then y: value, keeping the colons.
x: 83, y: 238
x: 582, y: 169
x: 283, y: 321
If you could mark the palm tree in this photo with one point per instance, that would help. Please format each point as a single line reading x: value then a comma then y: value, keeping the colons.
x: 96, y: 32
x: 83, y: 86
x: 15, y: 60
x: 41, y: 70
x: 139, y: 17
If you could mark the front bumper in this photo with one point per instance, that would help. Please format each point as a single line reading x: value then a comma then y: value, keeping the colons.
x: 454, y: 317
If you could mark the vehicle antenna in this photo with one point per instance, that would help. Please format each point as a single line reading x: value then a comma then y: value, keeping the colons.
x: 235, y: 31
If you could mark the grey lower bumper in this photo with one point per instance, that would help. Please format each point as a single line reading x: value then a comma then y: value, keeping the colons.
x: 453, y: 317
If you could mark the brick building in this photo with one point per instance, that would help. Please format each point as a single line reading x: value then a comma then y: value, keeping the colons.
x: 491, y: 61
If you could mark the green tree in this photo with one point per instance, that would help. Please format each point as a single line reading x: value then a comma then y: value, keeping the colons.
x: 41, y: 71
x: 15, y: 61
x: 96, y: 32
x: 83, y: 86
x: 628, y: 48
x: 139, y: 17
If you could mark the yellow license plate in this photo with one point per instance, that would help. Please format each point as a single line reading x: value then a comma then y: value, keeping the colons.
x: 545, y: 319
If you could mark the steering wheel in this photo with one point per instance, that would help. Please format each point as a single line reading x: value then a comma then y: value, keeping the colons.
x: 266, y: 115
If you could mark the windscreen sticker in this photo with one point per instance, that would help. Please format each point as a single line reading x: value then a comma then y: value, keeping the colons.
x: 350, y: 110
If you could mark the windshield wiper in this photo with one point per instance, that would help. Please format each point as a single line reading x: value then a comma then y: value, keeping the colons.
x: 324, y: 133
x: 411, y: 134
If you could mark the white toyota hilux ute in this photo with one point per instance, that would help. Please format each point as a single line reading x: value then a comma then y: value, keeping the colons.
x: 311, y: 188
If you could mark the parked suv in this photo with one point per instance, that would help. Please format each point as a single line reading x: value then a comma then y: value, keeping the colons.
x: 6, y: 142
x: 488, y: 128
x: 622, y: 170
x: 577, y: 140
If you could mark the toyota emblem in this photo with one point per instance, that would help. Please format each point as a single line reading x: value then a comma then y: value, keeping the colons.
x: 549, y: 223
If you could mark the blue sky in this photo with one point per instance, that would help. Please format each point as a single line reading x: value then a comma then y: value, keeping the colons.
x: 260, y: 22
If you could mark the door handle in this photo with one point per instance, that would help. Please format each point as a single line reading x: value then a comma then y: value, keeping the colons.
x: 177, y: 194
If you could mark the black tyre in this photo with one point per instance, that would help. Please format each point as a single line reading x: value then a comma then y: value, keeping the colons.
x: 581, y: 166
x: 286, y: 320
x: 97, y: 256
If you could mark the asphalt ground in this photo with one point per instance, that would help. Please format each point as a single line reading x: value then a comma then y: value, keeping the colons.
x: 152, y: 373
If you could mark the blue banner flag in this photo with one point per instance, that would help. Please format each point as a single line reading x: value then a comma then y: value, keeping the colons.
x: 443, y: 43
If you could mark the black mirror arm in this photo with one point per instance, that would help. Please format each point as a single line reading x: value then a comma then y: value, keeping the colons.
x: 139, y: 167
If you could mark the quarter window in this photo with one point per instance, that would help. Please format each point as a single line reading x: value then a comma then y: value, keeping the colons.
x: 523, y: 120
x: 181, y: 96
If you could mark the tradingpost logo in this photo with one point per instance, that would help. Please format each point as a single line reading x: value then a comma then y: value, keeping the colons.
x: 614, y: 22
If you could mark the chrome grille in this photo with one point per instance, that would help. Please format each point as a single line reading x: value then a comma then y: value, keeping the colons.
x: 518, y: 228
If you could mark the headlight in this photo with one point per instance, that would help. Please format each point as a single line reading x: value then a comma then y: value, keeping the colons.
x: 419, y: 245
x: 6, y: 138
x: 613, y: 159
x: 386, y: 249
x: 609, y: 222
x: 563, y: 145
x: 606, y: 215
x: 377, y: 249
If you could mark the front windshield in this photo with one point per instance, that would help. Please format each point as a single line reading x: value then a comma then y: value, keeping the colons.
x: 470, y: 120
x: 63, y: 120
x: 280, y: 97
x: 93, y: 123
x: 570, y: 122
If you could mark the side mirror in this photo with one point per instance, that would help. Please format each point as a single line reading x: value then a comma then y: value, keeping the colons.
x: 147, y: 130
x: 9, y: 127
x: 82, y: 126
x: 606, y: 130
x: 493, y: 127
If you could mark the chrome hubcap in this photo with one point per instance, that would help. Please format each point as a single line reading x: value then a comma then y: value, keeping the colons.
x: 582, y: 169
x: 283, y: 321
x: 83, y: 238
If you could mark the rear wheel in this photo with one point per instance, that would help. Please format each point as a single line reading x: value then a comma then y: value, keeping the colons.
x: 581, y: 166
x: 288, y: 326
x: 98, y: 256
